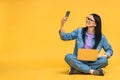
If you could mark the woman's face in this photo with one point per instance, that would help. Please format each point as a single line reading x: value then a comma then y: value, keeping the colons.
x: 90, y: 21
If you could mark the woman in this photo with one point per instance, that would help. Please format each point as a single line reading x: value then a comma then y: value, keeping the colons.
x: 89, y: 37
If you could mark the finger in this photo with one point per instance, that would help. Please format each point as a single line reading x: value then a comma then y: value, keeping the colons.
x: 65, y: 19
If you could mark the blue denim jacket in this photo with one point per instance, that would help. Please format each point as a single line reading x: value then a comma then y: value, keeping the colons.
x: 77, y: 34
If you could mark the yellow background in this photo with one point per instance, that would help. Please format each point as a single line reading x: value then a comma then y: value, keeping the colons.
x: 30, y: 46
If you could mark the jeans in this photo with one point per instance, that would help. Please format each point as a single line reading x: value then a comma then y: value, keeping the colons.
x: 85, y: 66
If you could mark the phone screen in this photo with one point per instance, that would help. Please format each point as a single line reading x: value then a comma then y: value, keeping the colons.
x: 67, y: 13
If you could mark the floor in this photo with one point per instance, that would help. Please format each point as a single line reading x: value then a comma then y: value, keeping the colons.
x: 53, y: 71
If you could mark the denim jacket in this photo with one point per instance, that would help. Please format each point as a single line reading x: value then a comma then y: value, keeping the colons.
x: 77, y: 34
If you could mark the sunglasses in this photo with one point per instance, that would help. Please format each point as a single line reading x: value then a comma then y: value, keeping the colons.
x: 90, y: 19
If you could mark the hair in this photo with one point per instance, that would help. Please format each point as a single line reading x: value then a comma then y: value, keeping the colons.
x: 98, y: 32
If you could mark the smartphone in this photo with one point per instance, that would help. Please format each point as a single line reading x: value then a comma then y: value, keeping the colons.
x: 67, y: 14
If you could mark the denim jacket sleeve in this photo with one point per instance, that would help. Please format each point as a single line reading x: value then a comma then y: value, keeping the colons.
x: 68, y: 36
x: 107, y: 47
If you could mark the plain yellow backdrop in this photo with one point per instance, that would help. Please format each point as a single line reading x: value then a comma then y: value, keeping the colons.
x: 29, y: 29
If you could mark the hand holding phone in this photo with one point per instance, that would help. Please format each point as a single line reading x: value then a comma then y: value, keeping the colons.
x: 66, y: 15
x: 65, y: 18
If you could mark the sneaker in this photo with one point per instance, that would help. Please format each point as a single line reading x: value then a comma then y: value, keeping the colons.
x: 99, y: 72
x: 73, y: 71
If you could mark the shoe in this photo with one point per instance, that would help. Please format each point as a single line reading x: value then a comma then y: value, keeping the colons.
x: 99, y: 72
x: 73, y: 71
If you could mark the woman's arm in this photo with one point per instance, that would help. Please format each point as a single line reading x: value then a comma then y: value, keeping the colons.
x: 63, y: 21
x: 107, y: 47
x: 63, y: 34
x: 68, y: 36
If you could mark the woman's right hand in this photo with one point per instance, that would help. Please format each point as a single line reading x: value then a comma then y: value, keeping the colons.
x: 63, y: 21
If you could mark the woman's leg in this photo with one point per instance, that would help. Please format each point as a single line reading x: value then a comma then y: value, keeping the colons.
x: 83, y: 67
x: 77, y: 64
x: 100, y: 63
